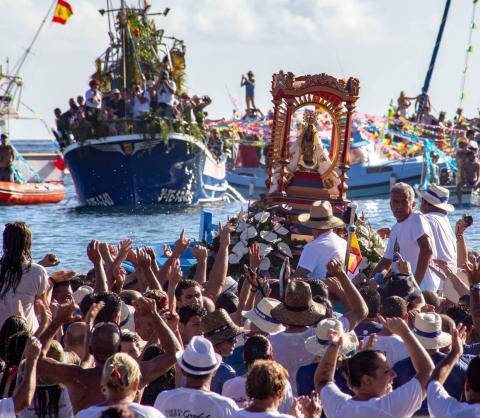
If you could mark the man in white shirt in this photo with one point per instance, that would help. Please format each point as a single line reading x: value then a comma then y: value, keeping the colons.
x: 326, y: 245
x: 198, y: 363
x: 141, y: 100
x: 410, y: 237
x: 440, y: 403
x: 93, y: 101
x: 435, y: 207
x: 165, y: 91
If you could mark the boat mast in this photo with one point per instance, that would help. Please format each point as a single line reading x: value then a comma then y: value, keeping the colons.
x: 424, y: 95
x: 124, y: 44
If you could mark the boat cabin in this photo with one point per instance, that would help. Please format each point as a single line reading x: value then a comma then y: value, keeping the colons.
x: 308, y: 157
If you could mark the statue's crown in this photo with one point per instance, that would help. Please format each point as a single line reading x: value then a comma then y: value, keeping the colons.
x: 310, y: 117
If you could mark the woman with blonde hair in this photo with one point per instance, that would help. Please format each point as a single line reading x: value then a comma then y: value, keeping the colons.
x: 265, y: 386
x: 120, y: 381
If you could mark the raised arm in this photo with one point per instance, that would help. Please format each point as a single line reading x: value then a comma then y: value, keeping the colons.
x: 218, y: 274
x: 174, y: 277
x: 124, y: 248
x: 95, y: 256
x: 445, y: 367
x: 424, y: 257
x: 422, y: 363
x: 24, y: 391
x: 357, y: 308
x: 326, y: 368
x: 462, y: 250
x: 154, y: 368
x: 201, y: 255
x: 383, y: 264
x: 473, y: 274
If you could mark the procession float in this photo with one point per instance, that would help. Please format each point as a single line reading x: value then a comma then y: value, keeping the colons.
x: 154, y: 159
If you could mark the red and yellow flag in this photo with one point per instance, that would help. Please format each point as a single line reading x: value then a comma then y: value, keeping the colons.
x: 62, y: 13
x: 355, y: 257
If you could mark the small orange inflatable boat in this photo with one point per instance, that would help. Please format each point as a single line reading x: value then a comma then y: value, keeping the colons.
x: 31, y: 193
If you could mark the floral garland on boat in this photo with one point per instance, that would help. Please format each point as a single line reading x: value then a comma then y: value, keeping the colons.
x: 269, y: 230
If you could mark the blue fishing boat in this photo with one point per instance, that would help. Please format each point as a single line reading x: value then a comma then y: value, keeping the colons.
x: 138, y: 139
x: 130, y: 170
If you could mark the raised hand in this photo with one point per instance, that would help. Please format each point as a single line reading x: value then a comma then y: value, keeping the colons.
x: 461, y: 226
x: 167, y: 251
x: 395, y: 325
x: 458, y: 338
x: 32, y: 349
x: 224, y: 234
x: 151, y: 252
x: 404, y: 266
x: 124, y: 248
x: 118, y: 275
x: 254, y: 256
x: 181, y: 244
x: 175, y: 273
x: 93, y: 252
x: 384, y: 233
x: 143, y: 259
x: 200, y: 253
x: 335, y: 338
x: 334, y: 267
x: 50, y: 260
x: 147, y: 306
x: 172, y: 319
x: 307, y: 406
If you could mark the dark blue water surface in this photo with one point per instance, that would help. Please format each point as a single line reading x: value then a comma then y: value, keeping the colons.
x: 66, y: 231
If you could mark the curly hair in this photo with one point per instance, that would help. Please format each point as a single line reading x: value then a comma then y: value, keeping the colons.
x: 120, y: 372
x: 17, y: 244
x: 266, y: 379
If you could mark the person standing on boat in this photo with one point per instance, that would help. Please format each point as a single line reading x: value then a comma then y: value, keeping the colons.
x: 165, y: 94
x: 141, y: 101
x: 93, y: 102
x: 404, y: 103
x: 7, y: 158
x: 469, y: 172
x: 249, y: 83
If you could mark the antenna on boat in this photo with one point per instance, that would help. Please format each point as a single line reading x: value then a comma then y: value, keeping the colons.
x: 424, y: 95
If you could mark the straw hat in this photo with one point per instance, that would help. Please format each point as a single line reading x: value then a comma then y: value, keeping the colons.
x: 428, y: 330
x: 218, y: 326
x: 299, y: 309
x: 319, y: 342
x: 127, y: 319
x: 261, y: 316
x: 320, y: 216
x: 199, y: 357
x: 436, y: 196
x: 230, y: 285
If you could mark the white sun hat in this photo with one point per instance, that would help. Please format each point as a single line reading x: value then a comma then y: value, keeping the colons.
x: 437, y: 196
x: 428, y: 330
x: 199, y: 357
x: 81, y: 292
x: 261, y: 316
x: 319, y: 343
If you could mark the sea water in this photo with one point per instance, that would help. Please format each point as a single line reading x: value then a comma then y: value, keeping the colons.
x: 66, y: 230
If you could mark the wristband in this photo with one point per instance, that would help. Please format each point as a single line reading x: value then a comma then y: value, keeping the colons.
x: 475, y: 286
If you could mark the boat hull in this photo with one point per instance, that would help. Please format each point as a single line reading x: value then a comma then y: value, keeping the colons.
x: 131, y: 170
x: 31, y: 193
x: 363, y: 180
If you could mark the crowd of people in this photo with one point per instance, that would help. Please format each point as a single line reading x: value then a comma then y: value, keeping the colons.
x: 105, y: 110
x: 401, y: 339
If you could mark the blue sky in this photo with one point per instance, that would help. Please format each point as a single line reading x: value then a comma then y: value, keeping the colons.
x: 386, y: 44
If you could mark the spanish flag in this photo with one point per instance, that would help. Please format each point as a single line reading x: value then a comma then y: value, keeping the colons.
x: 355, y: 254
x: 62, y: 13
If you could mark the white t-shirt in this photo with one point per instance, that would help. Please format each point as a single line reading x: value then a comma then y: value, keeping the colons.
x: 442, y: 234
x: 442, y: 405
x: 164, y: 95
x: 400, y: 403
x: 186, y: 402
x: 89, y: 97
x: 246, y: 414
x: 141, y: 411
x: 65, y: 409
x: 317, y: 253
x: 393, y: 347
x: 403, y: 238
x: 7, y: 408
x: 139, y: 107
x: 235, y: 389
x: 34, y: 282
x: 289, y: 350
